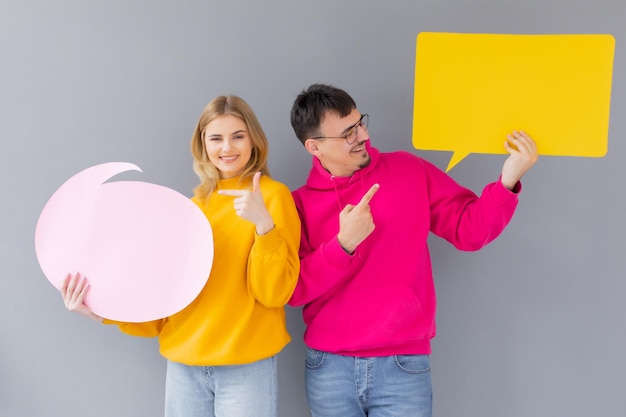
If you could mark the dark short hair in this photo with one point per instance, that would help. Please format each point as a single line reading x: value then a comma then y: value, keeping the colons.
x: 311, y: 105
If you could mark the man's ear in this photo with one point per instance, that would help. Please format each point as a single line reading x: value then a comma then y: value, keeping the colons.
x: 311, y: 145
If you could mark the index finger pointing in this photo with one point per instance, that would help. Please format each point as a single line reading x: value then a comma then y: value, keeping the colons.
x: 368, y: 195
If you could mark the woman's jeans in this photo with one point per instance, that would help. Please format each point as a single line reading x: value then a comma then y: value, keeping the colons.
x: 386, y: 386
x: 221, y: 391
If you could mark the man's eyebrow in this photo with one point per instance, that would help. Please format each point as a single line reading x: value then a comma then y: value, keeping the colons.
x: 343, y: 132
x: 351, y: 126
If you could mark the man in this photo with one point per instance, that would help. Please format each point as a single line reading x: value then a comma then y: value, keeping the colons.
x: 366, y: 280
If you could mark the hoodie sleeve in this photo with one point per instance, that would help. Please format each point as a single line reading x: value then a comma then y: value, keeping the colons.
x: 461, y: 217
x: 323, y: 268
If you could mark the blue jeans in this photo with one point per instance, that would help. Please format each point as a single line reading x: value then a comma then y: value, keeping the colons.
x: 221, y: 391
x: 386, y: 386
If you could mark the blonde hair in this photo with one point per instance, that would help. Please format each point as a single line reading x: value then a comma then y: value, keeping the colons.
x: 202, y: 166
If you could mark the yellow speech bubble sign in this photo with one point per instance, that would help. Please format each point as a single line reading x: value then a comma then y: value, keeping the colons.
x: 471, y: 90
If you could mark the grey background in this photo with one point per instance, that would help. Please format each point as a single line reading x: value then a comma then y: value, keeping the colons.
x: 530, y: 326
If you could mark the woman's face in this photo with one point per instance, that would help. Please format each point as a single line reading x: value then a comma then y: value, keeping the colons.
x: 228, y: 145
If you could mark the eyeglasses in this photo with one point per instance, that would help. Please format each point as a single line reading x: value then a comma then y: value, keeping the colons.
x: 352, y: 132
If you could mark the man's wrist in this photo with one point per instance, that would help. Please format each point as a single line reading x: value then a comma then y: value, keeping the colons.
x: 346, y: 250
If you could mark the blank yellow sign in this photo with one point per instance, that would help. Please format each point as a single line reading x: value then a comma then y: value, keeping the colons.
x: 471, y: 90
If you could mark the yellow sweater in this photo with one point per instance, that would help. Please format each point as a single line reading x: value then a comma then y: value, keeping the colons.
x: 238, y: 317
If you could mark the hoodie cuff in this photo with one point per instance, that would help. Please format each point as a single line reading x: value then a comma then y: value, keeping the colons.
x: 503, y: 195
x: 337, y: 254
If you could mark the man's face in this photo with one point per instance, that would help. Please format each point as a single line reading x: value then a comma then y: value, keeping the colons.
x: 336, y: 155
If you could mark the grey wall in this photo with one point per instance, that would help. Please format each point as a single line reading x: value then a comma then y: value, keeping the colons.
x: 533, y: 325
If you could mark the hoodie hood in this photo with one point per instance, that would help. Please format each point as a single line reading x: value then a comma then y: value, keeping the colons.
x: 320, y: 179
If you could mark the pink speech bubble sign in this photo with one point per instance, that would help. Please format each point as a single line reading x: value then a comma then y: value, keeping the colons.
x: 146, y: 249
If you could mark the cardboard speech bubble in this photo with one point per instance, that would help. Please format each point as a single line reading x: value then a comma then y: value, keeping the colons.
x: 471, y: 90
x: 146, y: 250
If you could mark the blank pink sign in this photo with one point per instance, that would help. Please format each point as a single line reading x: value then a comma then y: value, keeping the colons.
x: 146, y: 249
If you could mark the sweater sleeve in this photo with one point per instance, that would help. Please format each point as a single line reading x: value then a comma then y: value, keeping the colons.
x: 461, y: 217
x: 273, y: 265
x: 145, y: 329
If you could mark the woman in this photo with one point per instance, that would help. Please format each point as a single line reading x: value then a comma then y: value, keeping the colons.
x: 221, y: 349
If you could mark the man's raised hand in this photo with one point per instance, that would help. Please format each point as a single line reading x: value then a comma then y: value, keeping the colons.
x: 356, y: 222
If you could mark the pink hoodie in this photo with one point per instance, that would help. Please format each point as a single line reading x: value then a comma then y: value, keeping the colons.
x: 381, y: 300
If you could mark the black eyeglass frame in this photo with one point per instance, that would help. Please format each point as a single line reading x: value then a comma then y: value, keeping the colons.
x: 363, y: 122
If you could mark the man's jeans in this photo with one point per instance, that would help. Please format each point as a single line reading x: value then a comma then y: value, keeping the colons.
x: 386, y: 386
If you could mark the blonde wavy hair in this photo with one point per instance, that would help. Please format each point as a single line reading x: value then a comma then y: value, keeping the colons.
x: 207, y: 172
